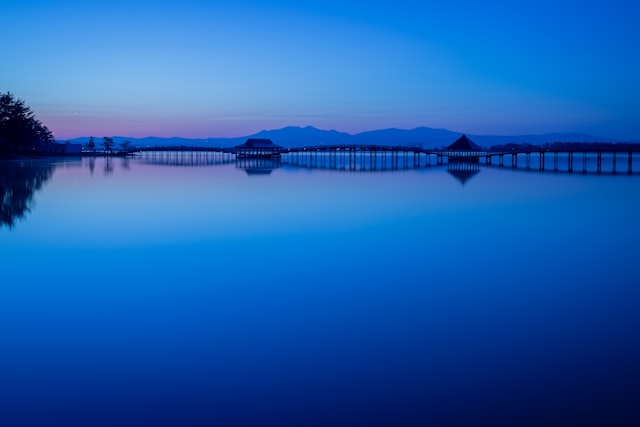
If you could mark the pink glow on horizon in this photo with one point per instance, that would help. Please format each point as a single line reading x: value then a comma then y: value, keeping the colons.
x: 63, y: 128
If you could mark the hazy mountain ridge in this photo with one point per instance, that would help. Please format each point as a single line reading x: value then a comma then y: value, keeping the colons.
x: 294, y: 136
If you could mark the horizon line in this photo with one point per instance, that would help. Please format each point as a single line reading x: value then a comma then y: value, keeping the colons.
x: 354, y: 134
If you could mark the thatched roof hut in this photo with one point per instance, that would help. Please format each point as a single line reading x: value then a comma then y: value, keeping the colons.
x: 257, y: 148
x: 464, y: 144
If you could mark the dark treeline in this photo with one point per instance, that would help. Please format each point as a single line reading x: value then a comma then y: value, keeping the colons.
x: 20, y: 131
x: 19, y: 180
x: 569, y: 147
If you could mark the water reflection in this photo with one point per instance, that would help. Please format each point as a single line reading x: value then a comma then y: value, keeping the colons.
x: 185, y: 158
x: 200, y: 296
x: 108, y: 166
x: 19, y: 181
x: 258, y: 166
x: 463, y: 171
x: 126, y: 165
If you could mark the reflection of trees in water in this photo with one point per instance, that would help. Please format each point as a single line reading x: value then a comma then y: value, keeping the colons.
x: 92, y: 165
x: 18, y: 183
x: 125, y: 162
x: 108, y: 166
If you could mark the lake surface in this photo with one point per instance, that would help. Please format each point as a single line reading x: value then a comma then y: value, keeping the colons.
x: 140, y: 293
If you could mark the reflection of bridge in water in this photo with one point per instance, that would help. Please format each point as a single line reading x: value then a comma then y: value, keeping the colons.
x: 179, y: 156
x: 258, y: 166
x: 379, y: 158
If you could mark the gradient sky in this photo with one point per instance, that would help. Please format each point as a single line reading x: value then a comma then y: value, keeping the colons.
x: 215, y: 68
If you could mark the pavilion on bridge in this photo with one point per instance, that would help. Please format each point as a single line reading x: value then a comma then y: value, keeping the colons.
x: 464, y: 150
x: 257, y: 148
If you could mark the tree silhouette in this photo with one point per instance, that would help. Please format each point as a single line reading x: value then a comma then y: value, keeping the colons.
x: 91, y: 145
x: 107, y: 143
x: 125, y: 145
x: 20, y: 131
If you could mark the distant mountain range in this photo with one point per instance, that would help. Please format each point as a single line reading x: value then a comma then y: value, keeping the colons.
x: 293, y: 136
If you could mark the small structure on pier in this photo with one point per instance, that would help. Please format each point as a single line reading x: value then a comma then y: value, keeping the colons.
x: 256, y: 148
x: 464, y: 150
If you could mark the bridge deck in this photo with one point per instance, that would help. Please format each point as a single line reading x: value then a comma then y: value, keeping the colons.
x: 353, y: 156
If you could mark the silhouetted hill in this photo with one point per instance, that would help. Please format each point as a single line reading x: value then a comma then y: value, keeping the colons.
x: 488, y: 140
x: 424, y: 136
x: 293, y: 136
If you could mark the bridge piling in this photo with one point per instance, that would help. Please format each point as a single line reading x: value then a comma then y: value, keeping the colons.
x: 570, y: 162
x: 353, y: 160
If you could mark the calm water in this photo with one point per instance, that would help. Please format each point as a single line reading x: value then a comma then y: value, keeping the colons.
x: 133, y: 293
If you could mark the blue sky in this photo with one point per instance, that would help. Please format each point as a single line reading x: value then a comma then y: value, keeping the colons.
x: 204, y: 68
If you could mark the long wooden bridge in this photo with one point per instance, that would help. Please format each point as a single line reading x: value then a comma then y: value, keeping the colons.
x: 363, y: 157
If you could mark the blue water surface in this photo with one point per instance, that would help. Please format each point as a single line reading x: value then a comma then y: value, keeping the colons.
x: 134, y: 293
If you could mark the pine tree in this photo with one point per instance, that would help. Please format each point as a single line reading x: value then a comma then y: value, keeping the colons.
x: 91, y: 145
x: 107, y: 143
x: 20, y: 131
x: 125, y: 145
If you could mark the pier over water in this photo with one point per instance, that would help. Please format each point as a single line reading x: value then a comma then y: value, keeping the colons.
x: 364, y: 157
